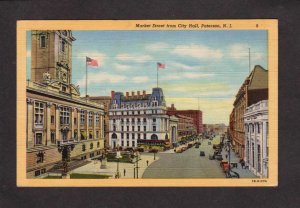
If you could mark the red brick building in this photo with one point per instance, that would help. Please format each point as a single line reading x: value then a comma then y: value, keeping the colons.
x: 196, y: 115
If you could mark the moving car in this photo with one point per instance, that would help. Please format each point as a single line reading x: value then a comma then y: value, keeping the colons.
x: 202, y: 153
x: 219, y: 157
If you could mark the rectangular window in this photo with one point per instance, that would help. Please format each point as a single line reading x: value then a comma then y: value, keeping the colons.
x: 145, y: 137
x: 38, y: 138
x: 39, y: 113
x: 52, y: 119
x: 90, y: 119
x: 127, y: 136
x: 122, y: 127
x: 97, y: 119
x: 82, y: 117
x: 133, y: 143
x: 122, y: 143
x: 43, y: 41
x: 139, y: 136
x: 127, y: 143
x: 154, y: 119
x: 64, y: 115
x: 127, y: 128
x: 154, y: 128
x: 132, y: 136
x: 52, y: 137
x: 144, y: 128
x: 132, y: 128
x: 114, y: 128
x: 253, y: 156
x: 139, y: 128
x: 122, y: 135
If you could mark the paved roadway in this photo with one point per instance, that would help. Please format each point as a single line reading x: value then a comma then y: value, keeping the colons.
x: 188, y: 164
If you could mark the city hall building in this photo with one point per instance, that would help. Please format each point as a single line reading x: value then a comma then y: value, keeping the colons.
x: 140, y: 119
x: 256, y: 138
x: 56, y: 114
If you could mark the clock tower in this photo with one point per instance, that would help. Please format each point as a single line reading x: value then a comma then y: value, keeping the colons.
x: 51, y: 58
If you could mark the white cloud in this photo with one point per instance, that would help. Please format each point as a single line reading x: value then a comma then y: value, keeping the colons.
x: 187, y: 75
x: 101, y: 77
x: 140, y: 79
x: 198, y: 51
x: 177, y: 65
x: 100, y: 57
x: 240, y: 51
x: 133, y: 57
x: 121, y: 67
x: 28, y: 54
x: 157, y: 46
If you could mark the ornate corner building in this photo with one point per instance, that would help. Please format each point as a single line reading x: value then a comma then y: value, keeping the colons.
x: 140, y: 119
x: 56, y: 114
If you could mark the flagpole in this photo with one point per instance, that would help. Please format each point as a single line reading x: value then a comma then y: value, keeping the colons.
x: 86, y: 77
x: 157, y: 75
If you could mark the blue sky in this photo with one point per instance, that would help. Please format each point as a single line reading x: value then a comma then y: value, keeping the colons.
x: 208, y: 66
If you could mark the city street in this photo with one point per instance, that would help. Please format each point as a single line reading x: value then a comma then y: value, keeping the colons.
x: 188, y: 164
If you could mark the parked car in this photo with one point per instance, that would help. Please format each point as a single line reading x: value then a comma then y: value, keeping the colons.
x: 202, y: 153
x: 211, y: 157
x: 197, y: 146
x: 219, y: 157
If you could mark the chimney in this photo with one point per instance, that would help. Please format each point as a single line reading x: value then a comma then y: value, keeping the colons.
x: 127, y: 94
x: 132, y: 93
x: 112, y: 94
x: 138, y: 93
x: 144, y: 92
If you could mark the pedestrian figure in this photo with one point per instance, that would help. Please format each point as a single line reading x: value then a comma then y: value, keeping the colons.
x: 147, y: 162
x: 226, y: 156
x: 243, y: 164
x: 124, y: 172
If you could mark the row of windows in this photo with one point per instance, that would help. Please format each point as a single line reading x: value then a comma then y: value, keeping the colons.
x: 63, y: 43
x: 133, y: 128
x: 133, y: 136
x: 133, y: 120
x: 136, y: 105
x: 39, y: 108
x: 136, y: 112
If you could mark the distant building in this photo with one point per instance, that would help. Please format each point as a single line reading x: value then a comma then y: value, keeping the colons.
x: 139, y: 119
x: 196, y: 115
x: 186, y: 126
x: 56, y: 115
x: 215, y: 128
x: 253, y: 90
x: 256, y: 138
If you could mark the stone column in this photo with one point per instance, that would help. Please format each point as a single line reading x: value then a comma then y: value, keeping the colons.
x: 87, y: 124
x: 78, y: 124
x: 57, y: 136
x: 94, y: 125
x: 72, y: 122
x: 48, y: 137
x: 30, y: 140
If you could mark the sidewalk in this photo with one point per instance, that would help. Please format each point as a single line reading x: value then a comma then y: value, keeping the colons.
x: 94, y: 167
x: 244, y: 173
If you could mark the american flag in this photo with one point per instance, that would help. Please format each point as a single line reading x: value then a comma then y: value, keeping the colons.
x: 161, y: 66
x: 91, y: 62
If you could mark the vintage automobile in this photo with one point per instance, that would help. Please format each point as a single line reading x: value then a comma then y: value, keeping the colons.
x: 202, y: 153
x: 219, y: 157
x: 197, y: 146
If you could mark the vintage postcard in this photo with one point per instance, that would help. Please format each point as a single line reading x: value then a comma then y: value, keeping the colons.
x: 164, y: 103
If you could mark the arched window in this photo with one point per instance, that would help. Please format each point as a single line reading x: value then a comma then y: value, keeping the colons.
x: 114, y: 136
x: 154, y: 137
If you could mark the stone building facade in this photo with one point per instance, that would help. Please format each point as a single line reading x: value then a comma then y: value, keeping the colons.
x: 186, y: 126
x: 257, y: 138
x: 138, y: 119
x: 106, y: 102
x: 254, y: 89
x: 56, y: 114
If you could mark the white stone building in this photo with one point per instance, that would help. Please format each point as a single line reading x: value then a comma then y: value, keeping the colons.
x: 256, y: 138
x: 139, y: 119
